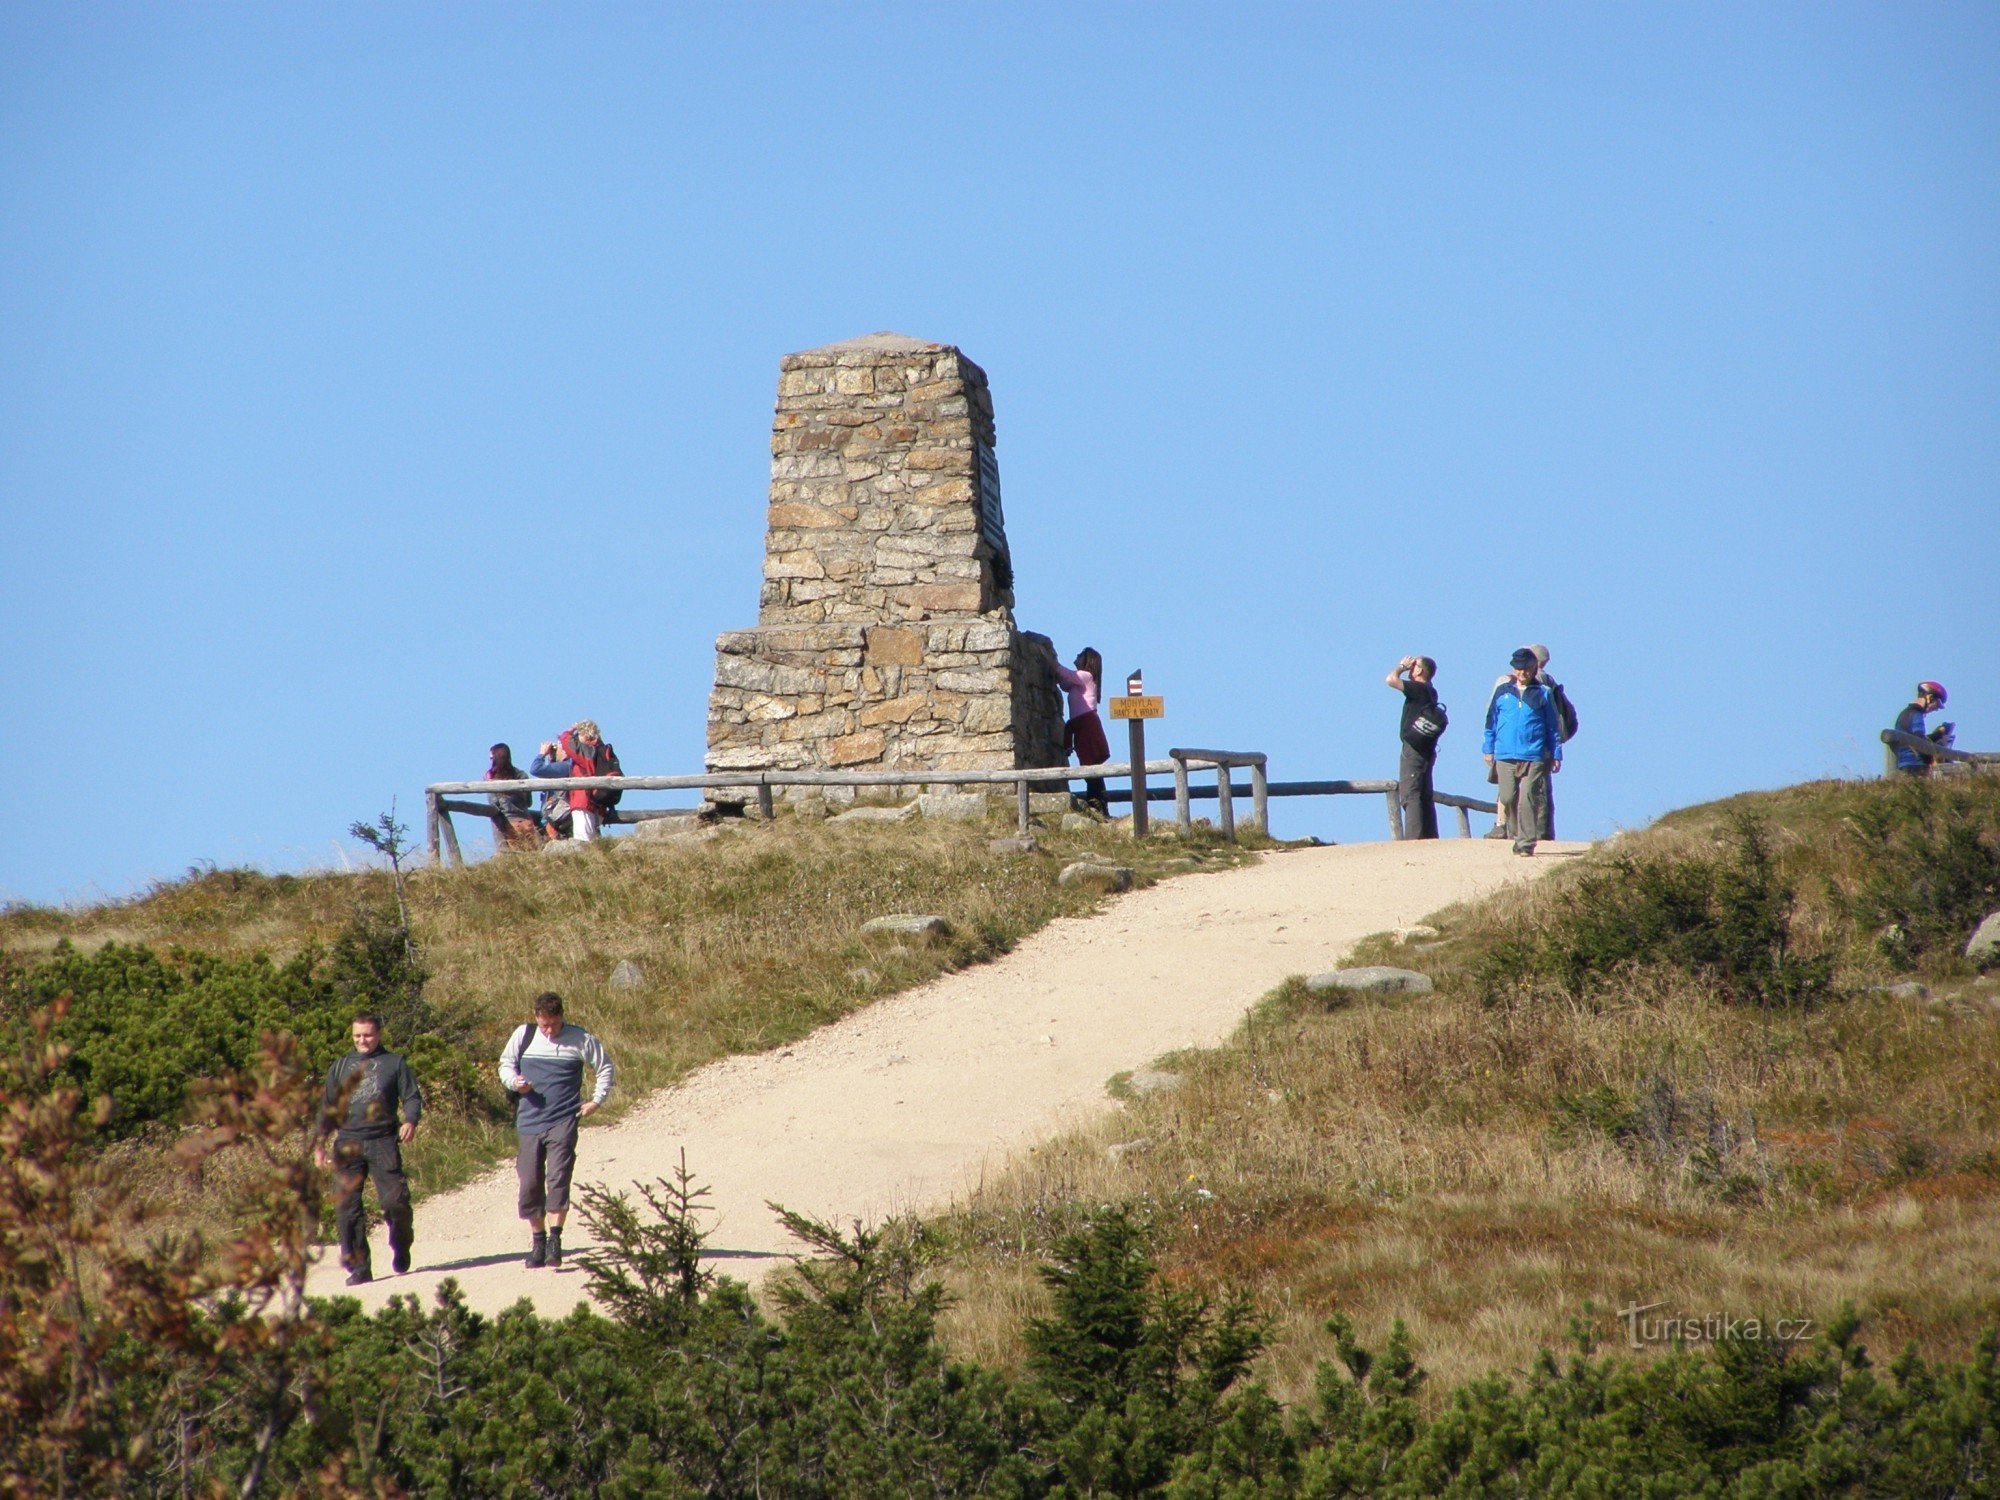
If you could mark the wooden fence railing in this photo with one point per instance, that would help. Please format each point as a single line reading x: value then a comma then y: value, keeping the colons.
x: 441, y: 838
x: 1930, y: 749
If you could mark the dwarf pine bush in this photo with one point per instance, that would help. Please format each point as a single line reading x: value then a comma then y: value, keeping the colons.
x: 1726, y: 920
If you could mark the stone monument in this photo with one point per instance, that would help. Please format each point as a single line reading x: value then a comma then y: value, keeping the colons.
x: 885, y: 636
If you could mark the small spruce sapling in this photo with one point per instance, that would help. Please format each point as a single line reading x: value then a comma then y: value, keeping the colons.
x: 391, y: 839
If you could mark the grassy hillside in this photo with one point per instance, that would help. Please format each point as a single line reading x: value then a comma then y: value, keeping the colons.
x: 1669, y: 1075
x: 745, y: 939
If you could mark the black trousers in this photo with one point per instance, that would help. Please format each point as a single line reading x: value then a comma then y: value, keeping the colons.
x: 356, y: 1159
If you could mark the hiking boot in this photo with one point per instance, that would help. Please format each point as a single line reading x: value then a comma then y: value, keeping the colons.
x: 1524, y: 849
x: 555, y: 1249
x: 538, y: 1255
x: 359, y: 1276
x: 399, y: 1260
x: 1497, y: 831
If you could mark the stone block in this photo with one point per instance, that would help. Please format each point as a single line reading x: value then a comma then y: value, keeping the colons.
x: 1091, y: 875
x: 954, y: 807
x: 972, y: 680
x: 988, y: 715
x: 856, y: 749
x: 1370, y: 979
x: 1023, y: 845
x: 1983, y: 947
x: 627, y: 976
x: 807, y: 517
x: 1146, y: 1081
x: 893, y: 646
x: 901, y: 814
x: 948, y: 598
x: 907, y: 927
x: 1048, y: 804
x: 893, y: 711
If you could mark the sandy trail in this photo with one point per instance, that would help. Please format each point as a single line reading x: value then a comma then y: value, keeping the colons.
x: 904, y: 1105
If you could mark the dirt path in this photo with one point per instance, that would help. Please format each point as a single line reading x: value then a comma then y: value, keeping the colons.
x: 905, y: 1104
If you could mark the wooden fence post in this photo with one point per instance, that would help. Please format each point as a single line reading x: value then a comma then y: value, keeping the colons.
x: 431, y: 824
x: 1183, y: 813
x: 450, y: 839
x: 1464, y: 822
x: 1139, y: 813
x: 1260, y: 797
x: 1021, y: 804
x: 1225, y: 803
x: 1395, y: 815
x: 764, y: 803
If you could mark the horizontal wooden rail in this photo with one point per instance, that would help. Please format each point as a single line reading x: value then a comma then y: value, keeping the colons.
x: 1897, y: 739
x: 1221, y: 757
x: 443, y: 839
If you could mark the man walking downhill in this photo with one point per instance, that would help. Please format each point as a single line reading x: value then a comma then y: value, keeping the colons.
x: 365, y: 1093
x: 1523, y: 745
x: 1423, y: 725
x: 543, y: 1065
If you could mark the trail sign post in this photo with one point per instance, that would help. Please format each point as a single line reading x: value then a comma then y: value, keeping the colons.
x: 1137, y: 708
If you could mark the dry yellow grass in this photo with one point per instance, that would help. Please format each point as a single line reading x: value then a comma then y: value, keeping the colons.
x: 1490, y: 1171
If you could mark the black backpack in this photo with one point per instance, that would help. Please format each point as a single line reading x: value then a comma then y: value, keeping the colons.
x: 1565, y: 712
x: 1430, y: 722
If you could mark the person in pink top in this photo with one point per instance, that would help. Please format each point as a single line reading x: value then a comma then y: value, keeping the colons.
x: 1083, y: 732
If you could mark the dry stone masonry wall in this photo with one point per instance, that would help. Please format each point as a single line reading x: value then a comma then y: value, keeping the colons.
x: 885, y: 636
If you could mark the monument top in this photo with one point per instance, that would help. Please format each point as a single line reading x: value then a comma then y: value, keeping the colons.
x: 885, y: 344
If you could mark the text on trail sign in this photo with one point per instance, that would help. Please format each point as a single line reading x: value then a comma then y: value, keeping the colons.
x: 1138, y: 708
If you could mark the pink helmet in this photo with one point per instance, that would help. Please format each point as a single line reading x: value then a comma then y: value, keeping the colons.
x: 1935, y: 689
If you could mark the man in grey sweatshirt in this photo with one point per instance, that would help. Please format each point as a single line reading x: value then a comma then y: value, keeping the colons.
x: 543, y: 1065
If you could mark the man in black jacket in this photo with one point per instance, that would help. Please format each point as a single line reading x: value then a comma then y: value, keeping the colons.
x: 366, y: 1093
x: 1423, y: 725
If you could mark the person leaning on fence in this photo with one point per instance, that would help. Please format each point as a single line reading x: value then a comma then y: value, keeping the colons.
x: 581, y: 751
x: 1930, y: 698
x: 1083, y: 731
x: 1523, y: 745
x: 521, y: 827
x: 1423, y: 726
x: 366, y: 1092
x: 542, y: 1065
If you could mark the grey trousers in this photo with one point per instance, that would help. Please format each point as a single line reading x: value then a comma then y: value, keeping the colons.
x: 1524, y: 799
x: 1415, y: 804
x: 543, y: 1166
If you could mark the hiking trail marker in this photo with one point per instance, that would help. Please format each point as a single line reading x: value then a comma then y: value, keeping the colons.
x: 1137, y: 708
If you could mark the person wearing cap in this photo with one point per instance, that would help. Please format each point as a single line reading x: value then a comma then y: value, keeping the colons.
x: 1931, y: 697
x: 1565, y: 718
x: 1523, y: 746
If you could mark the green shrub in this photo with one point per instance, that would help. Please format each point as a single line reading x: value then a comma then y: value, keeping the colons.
x: 1931, y: 867
x: 1727, y: 921
x: 143, y: 1026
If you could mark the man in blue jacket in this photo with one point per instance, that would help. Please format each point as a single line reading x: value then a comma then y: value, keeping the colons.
x: 544, y: 1063
x: 1523, y: 745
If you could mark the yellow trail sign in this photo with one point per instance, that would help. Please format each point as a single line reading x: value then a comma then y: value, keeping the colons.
x: 1138, y: 708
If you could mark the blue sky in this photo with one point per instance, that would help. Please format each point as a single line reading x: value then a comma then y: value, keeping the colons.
x: 380, y: 381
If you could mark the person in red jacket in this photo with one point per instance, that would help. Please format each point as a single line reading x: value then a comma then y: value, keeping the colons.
x: 581, y: 751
